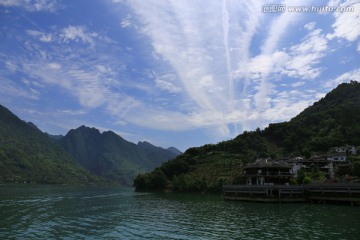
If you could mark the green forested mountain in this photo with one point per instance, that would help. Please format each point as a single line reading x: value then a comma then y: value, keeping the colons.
x: 332, y: 121
x: 109, y: 155
x: 27, y: 155
x: 157, y: 155
x: 174, y: 150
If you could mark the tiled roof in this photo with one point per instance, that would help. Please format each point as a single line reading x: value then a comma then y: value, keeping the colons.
x: 268, y: 163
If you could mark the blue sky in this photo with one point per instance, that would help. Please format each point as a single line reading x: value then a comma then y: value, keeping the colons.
x: 174, y: 73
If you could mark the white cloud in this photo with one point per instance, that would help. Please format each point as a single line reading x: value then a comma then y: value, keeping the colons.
x: 34, y: 5
x: 13, y: 90
x: 77, y: 33
x: 92, y: 83
x: 104, y: 69
x: 266, y: 64
x: 181, y: 45
x: 125, y: 23
x: 71, y: 33
x: 43, y: 5
x: 201, y: 56
x: 298, y: 84
x: 11, y: 66
x: 297, y: 61
x: 345, y: 77
x: 165, y: 82
x: 167, y: 86
x: 32, y: 84
x: 246, y: 33
x: 279, y: 27
x: 347, y: 23
x: 310, y: 26
x: 204, y: 59
x: 89, y: 87
x: 54, y: 66
x: 223, y: 62
x: 39, y: 35
x: 160, y: 119
x: 73, y: 112
x: 306, y: 56
x: 284, y: 109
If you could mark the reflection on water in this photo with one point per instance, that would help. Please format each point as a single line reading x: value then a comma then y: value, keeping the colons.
x: 48, y: 212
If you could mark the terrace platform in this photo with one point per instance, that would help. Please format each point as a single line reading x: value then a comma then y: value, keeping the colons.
x: 319, y: 193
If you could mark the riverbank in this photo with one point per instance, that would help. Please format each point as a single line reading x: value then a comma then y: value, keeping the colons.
x: 314, y: 193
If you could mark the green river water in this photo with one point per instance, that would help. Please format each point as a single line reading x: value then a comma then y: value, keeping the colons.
x: 66, y: 212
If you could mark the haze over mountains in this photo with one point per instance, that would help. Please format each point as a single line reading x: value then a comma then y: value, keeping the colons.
x: 81, y: 156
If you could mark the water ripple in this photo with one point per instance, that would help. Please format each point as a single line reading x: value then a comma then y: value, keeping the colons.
x: 55, y: 212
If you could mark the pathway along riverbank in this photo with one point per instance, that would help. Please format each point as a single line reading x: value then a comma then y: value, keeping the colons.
x: 314, y: 193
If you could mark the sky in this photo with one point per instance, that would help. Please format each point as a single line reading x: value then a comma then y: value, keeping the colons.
x: 180, y: 73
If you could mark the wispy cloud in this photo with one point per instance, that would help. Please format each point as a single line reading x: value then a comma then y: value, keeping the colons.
x: 126, y: 21
x: 200, y: 55
x: 82, y: 75
x: 279, y: 27
x: 13, y: 90
x: 310, y: 26
x: 177, y: 65
x: 167, y: 86
x: 65, y: 35
x: 216, y: 72
x: 346, y: 24
x: 353, y: 75
x: 34, y: 5
x: 300, y: 61
x: 40, y: 35
x: 77, y: 33
x: 306, y: 56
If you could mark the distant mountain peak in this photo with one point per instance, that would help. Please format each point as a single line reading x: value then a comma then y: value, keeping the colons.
x: 87, y: 130
x: 109, y: 132
x: 32, y: 125
x: 174, y: 150
x: 83, y: 127
x: 109, y: 155
x: 29, y: 156
x: 144, y: 143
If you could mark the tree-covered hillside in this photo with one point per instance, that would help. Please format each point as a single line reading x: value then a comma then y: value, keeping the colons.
x: 332, y: 121
x: 109, y: 155
x: 28, y: 155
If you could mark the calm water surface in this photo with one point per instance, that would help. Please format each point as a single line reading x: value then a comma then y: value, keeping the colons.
x: 63, y: 212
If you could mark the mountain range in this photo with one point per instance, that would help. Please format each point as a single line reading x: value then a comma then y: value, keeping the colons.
x: 87, y: 156
x: 332, y: 121
x: 82, y: 156
x: 110, y: 156
x: 28, y: 155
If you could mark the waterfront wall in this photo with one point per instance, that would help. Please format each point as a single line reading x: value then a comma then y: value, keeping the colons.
x: 314, y: 193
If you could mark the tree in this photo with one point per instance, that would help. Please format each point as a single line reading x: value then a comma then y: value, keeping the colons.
x: 158, y: 180
x: 356, y: 168
x: 141, y: 182
x: 301, y: 175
